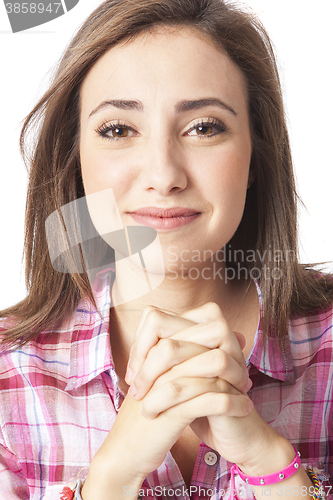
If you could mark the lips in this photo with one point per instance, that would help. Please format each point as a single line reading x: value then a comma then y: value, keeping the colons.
x: 165, y: 218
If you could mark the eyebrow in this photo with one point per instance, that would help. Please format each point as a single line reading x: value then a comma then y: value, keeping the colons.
x: 184, y: 106
x: 120, y: 104
x: 180, y: 107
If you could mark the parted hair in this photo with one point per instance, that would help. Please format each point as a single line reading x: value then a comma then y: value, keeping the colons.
x: 49, y: 144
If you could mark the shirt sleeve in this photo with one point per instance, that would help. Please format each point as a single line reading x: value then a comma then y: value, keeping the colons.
x: 13, y: 485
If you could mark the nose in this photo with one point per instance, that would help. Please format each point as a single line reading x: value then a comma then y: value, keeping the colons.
x: 164, y: 169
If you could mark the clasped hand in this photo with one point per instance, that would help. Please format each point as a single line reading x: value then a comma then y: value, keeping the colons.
x: 191, y: 367
x: 183, y: 370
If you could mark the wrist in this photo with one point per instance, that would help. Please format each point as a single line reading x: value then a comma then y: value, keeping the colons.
x: 109, y: 479
x: 273, y: 478
x: 272, y: 454
x: 276, y: 472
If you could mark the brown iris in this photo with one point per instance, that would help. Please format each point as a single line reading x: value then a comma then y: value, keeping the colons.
x: 119, y: 132
x: 205, y: 130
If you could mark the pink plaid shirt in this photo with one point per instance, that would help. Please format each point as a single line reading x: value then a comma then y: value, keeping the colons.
x: 60, y: 397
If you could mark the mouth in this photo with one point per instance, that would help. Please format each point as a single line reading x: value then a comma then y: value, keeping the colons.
x: 165, y: 218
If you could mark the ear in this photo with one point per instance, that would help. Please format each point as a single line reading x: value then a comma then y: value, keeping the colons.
x: 251, y: 178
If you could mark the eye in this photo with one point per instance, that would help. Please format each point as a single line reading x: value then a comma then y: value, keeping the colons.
x: 207, y: 128
x: 119, y: 132
x: 115, y: 131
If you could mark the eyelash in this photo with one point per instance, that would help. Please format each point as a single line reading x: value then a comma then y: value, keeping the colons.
x: 212, y: 122
x: 220, y: 127
x: 104, y: 129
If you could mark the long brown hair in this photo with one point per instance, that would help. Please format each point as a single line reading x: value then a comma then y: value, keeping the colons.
x: 269, y: 224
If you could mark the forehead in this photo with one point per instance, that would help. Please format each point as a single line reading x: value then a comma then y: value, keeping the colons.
x: 162, y: 63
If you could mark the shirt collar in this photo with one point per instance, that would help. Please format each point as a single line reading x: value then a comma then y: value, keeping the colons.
x: 272, y: 360
x: 90, y: 351
x: 268, y: 357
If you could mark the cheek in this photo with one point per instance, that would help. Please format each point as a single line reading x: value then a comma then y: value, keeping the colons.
x: 104, y: 184
x: 225, y: 173
x: 225, y: 186
x: 100, y: 171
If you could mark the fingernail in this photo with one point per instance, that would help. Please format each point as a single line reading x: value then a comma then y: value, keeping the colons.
x: 132, y: 391
x: 248, y: 385
x: 128, y: 376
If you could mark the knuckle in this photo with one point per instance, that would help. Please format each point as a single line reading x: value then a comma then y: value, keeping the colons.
x: 218, y: 360
x: 213, y: 309
x: 176, y: 388
x: 223, y: 386
x: 148, y: 408
x: 143, y: 378
x: 153, y: 316
x: 169, y: 347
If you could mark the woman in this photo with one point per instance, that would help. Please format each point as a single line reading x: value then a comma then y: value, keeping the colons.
x: 166, y: 116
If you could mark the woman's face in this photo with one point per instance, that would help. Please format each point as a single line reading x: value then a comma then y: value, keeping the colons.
x: 164, y: 123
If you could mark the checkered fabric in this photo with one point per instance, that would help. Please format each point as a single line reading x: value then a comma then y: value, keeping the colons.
x: 59, y: 397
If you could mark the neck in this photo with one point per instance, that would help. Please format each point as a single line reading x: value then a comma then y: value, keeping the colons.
x: 178, y: 292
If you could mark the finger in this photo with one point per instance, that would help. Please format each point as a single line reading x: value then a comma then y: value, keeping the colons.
x: 180, y: 390
x: 213, y: 334
x: 160, y: 359
x: 204, y: 313
x: 241, y: 339
x: 147, y: 310
x: 210, y: 312
x: 209, y: 404
x: 210, y: 364
x: 155, y: 324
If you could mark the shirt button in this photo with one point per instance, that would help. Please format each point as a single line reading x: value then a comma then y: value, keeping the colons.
x: 210, y: 458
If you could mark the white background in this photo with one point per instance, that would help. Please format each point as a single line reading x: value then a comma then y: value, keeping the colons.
x: 302, y: 35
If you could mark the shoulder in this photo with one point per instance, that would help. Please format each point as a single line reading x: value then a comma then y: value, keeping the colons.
x: 311, y: 338
x: 314, y: 327
x: 56, y: 353
x: 45, y: 357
